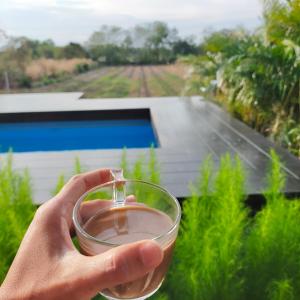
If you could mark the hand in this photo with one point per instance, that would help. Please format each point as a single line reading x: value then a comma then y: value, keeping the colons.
x: 48, y: 266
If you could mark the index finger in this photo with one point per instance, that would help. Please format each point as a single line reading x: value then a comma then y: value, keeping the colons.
x: 79, y: 184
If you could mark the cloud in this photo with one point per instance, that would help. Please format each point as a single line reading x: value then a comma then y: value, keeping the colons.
x: 17, y: 4
x: 175, y: 9
x: 65, y: 20
x: 171, y: 9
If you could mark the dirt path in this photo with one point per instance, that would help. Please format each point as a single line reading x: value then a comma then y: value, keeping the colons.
x: 144, y: 90
x: 128, y: 72
x: 158, y: 75
x: 136, y: 82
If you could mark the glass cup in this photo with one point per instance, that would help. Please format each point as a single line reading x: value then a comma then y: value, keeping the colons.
x: 124, y: 211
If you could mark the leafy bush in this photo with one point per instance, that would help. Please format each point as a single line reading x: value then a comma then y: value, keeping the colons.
x: 290, y: 136
x: 256, y: 76
x: 25, y: 81
x: 82, y: 68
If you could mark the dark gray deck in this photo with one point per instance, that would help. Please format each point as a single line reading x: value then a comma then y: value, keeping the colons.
x: 188, y: 129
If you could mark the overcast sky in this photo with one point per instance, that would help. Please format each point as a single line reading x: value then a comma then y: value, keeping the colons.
x: 75, y: 20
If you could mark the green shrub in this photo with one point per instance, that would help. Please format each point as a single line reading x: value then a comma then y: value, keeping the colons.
x: 222, y: 253
x: 256, y: 76
x: 82, y: 68
x: 16, y: 211
x: 24, y: 81
x: 207, y: 260
x: 143, y: 168
x: 272, y: 248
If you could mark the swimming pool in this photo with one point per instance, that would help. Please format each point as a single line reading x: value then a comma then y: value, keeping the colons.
x: 76, y: 135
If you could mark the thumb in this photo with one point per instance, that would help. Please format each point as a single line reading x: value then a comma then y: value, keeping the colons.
x: 119, y: 265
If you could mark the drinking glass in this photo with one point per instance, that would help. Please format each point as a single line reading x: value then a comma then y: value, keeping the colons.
x: 123, y: 211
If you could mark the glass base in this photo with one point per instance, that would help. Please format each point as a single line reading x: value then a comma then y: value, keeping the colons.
x: 140, y: 298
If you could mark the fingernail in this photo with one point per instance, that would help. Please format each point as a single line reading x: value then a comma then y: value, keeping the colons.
x: 151, y: 254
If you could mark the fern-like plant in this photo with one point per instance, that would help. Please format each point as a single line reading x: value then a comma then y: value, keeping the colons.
x: 223, y: 253
x: 207, y: 260
x: 272, y: 248
x: 16, y: 213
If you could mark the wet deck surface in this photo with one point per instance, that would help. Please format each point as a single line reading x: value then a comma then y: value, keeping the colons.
x: 188, y: 130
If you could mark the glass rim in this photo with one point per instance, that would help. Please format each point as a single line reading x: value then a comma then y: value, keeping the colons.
x: 90, y: 237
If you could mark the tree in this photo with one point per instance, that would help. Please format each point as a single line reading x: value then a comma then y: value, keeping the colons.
x: 282, y: 20
x: 146, y: 43
x: 3, y: 39
x: 13, y: 61
x: 160, y: 39
x: 107, y: 35
x: 185, y: 47
x: 74, y: 50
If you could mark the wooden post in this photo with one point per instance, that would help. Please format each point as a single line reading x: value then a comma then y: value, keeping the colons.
x: 6, y: 79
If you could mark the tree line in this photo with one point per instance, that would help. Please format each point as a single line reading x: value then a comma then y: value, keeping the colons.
x: 153, y: 43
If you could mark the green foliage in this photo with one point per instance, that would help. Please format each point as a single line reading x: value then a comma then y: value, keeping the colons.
x: 59, y: 185
x: 109, y: 86
x: 143, y: 168
x: 222, y: 254
x: 16, y: 211
x: 275, y: 179
x: 256, y: 76
x: 282, y: 20
x: 208, y: 251
x: 19, y: 52
x: 281, y: 290
x: 24, y: 81
x: 290, y: 136
x: 152, y: 43
x: 74, y: 50
x: 62, y: 180
x: 160, y: 296
x: 82, y: 68
x: 124, y: 164
x: 273, y: 245
x: 154, y: 172
x: 77, y: 166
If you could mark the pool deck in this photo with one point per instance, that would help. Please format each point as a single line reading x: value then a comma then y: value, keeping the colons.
x: 188, y: 129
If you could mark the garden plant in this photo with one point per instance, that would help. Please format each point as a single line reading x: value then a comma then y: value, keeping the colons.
x: 224, y: 249
x: 256, y: 75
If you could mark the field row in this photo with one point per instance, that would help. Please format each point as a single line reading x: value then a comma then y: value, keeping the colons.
x: 124, y: 81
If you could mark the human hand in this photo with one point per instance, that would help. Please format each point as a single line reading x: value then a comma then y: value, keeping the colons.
x: 48, y: 266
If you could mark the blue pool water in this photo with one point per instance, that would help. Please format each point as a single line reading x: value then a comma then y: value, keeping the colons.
x: 76, y: 135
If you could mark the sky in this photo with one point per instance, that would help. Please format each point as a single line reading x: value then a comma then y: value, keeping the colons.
x: 64, y: 21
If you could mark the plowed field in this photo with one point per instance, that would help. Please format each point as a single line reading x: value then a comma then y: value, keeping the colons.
x: 124, y: 81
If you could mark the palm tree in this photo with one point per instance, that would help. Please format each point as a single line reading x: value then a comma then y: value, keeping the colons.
x: 282, y: 20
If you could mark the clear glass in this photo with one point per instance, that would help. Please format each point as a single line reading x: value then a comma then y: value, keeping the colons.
x: 133, y: 210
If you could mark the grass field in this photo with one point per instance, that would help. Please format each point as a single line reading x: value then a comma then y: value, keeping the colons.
x: 124, y: 81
